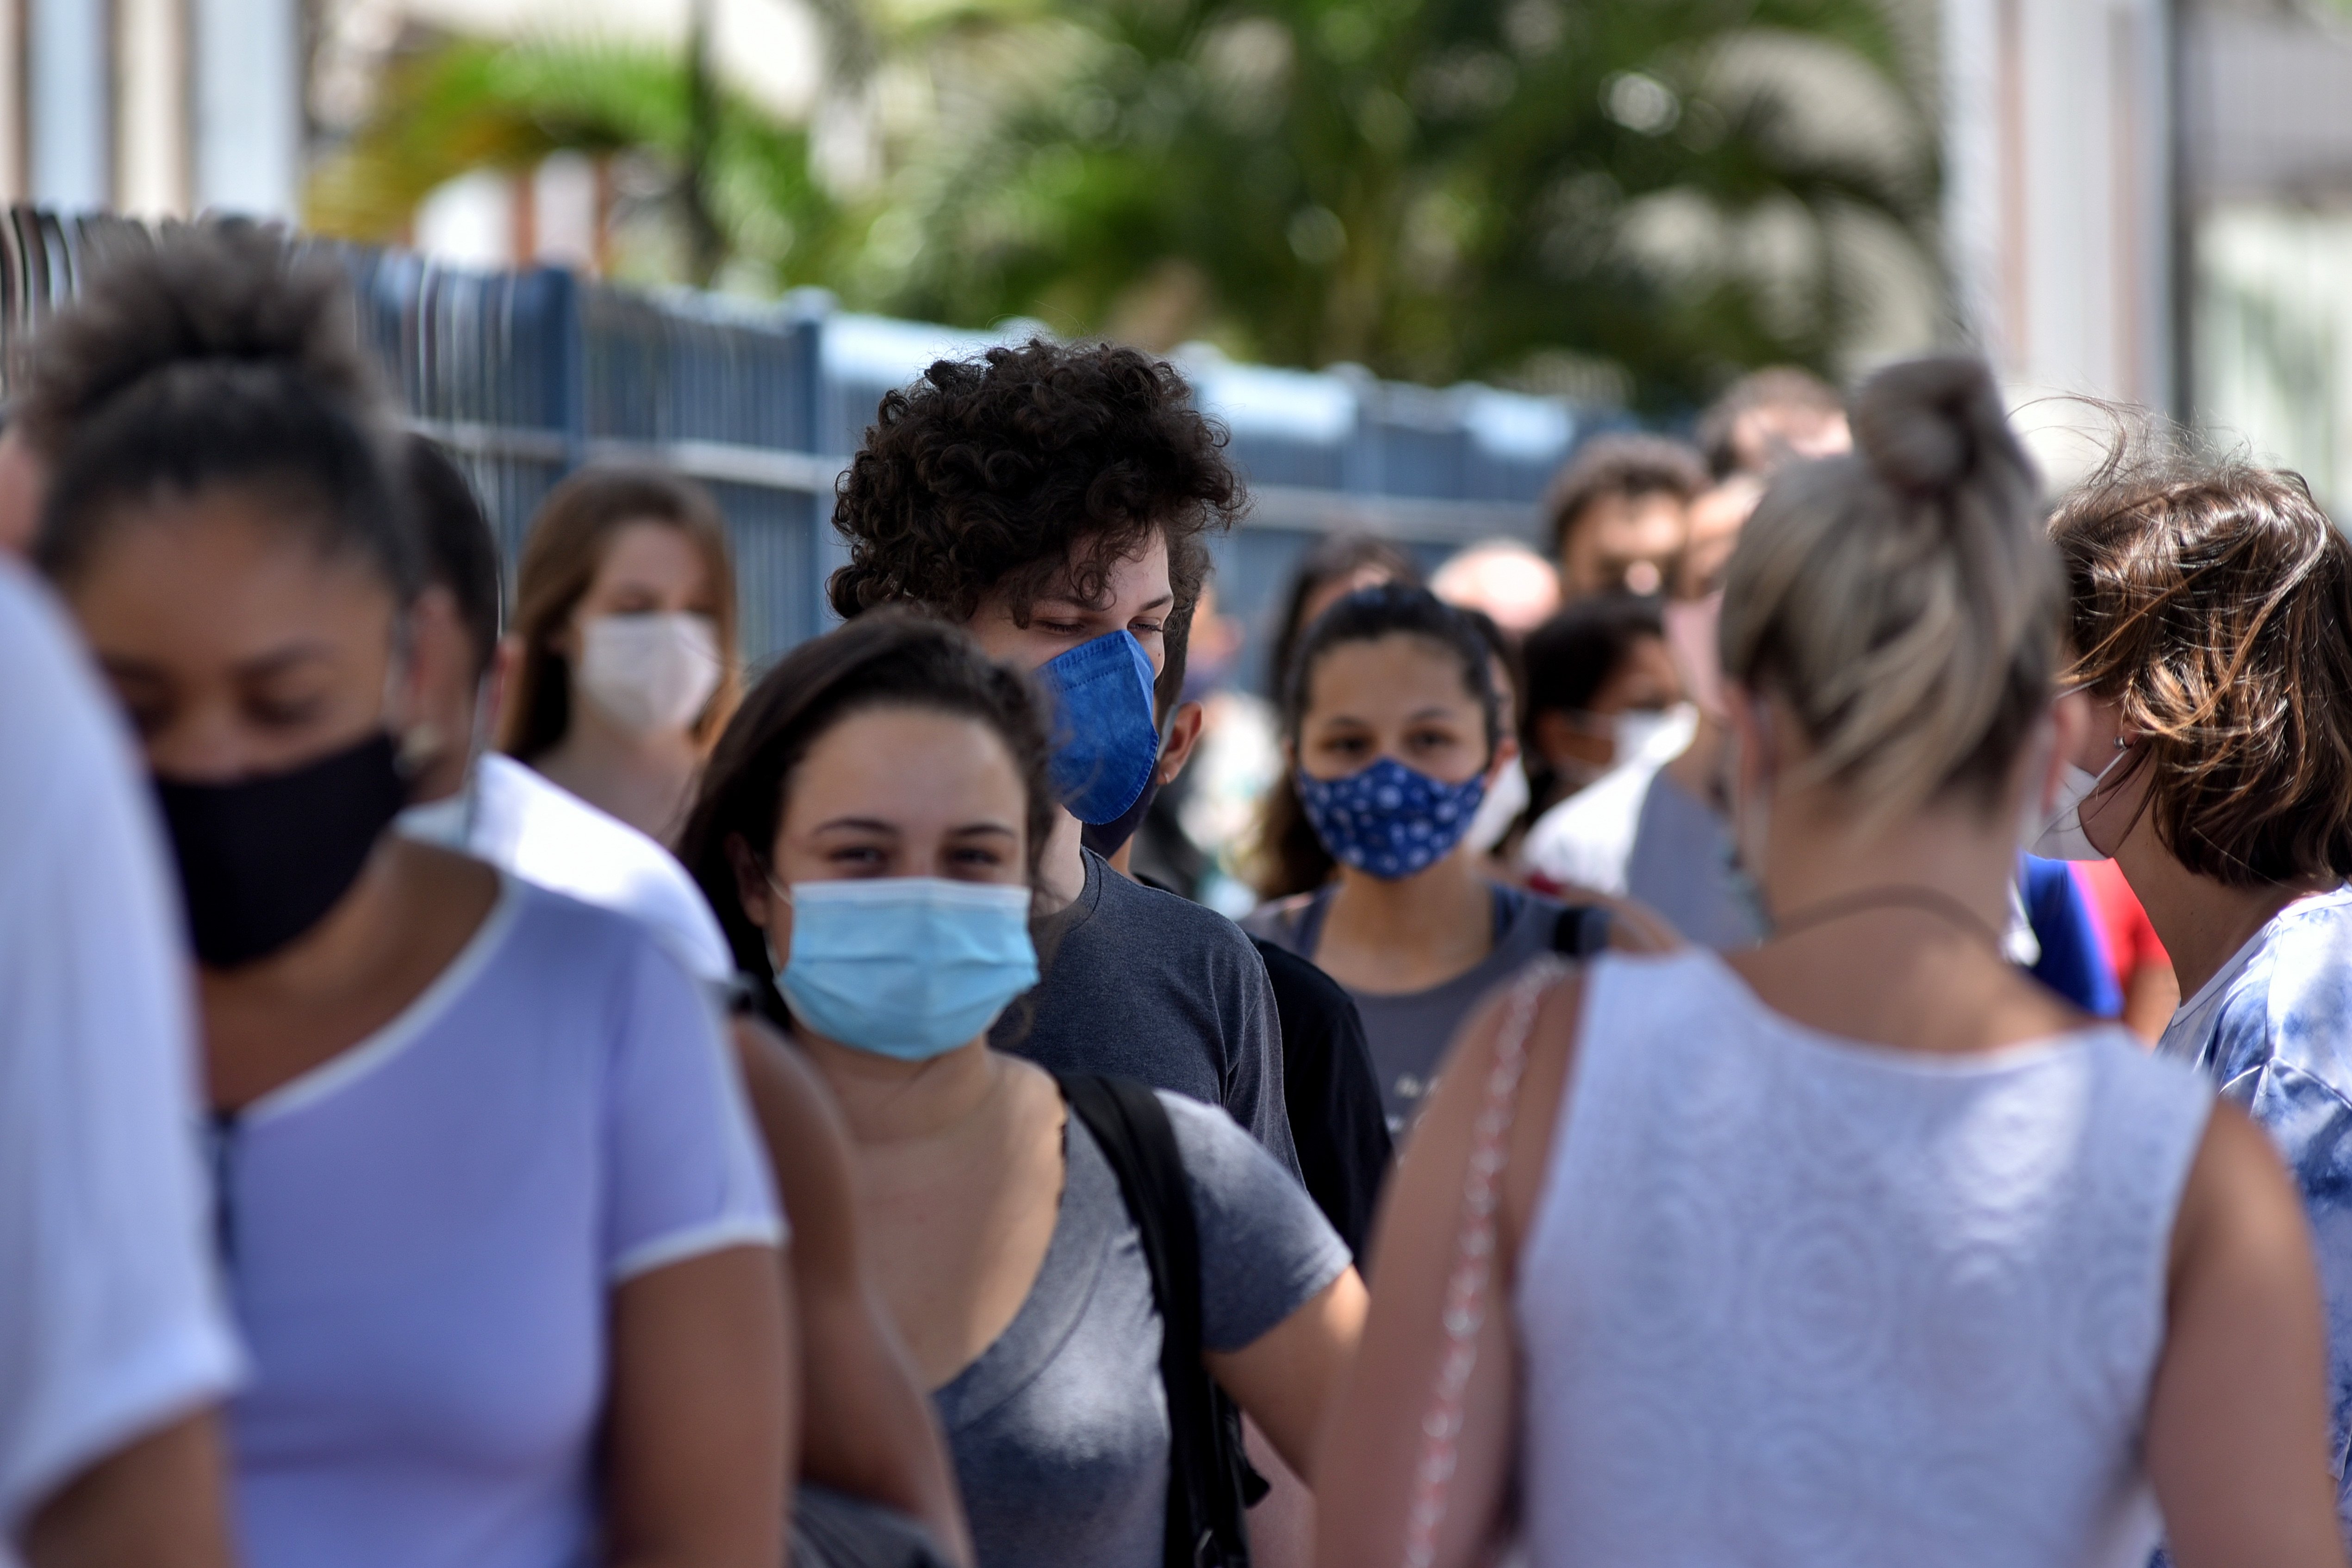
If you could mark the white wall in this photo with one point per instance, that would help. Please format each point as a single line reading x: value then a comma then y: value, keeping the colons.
x: 68, y: 97
x: 2058, y: 207
x: 156, y: 108
x: 248, y: 124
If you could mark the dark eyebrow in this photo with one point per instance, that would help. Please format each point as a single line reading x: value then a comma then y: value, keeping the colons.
x: 861, y: 824
x: 130, y: 669
x: 280, y: 659
x: 261, y: 666
x: 876, y: 825
x: 1432, y: 712
x: 1064, y: 596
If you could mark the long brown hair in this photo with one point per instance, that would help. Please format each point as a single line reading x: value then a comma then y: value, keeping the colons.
x: 560, y: 561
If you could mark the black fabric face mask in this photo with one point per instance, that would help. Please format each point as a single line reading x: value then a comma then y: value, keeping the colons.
x: 263, y: 859
x: 1106, y: 837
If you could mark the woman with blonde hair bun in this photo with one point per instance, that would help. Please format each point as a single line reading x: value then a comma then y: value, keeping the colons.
x: 1857, y: 1247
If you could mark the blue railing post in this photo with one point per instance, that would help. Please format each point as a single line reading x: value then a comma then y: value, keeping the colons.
x: 548, y: 299
x: 814, y: 420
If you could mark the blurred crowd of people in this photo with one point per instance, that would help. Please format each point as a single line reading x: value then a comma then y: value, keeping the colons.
x: 488, y: 1082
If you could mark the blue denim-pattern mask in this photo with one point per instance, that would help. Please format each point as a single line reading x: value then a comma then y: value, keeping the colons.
x: 1388, y: 820
x: 1105, y: 742
x: 906, y: 966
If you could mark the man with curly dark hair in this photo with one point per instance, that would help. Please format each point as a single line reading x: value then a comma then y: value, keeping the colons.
x: 1056, y: 499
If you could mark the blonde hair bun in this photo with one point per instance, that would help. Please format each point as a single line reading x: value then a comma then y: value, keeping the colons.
x: 1903, y: 601
x: 1929, y: 424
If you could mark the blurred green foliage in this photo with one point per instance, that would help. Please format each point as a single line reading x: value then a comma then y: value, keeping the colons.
x: 1641, y: 197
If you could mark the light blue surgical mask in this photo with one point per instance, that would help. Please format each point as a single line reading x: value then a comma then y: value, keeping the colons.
x: 908, y: 967
x: 1105, y: 743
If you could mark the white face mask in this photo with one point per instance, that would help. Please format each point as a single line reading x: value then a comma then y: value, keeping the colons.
x: 1651, y: 735
x: 2061, y: 837
x: 1505, y: 798
x: 651, y: 672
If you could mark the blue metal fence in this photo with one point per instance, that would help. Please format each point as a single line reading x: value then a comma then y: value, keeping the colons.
x: 525, y: 375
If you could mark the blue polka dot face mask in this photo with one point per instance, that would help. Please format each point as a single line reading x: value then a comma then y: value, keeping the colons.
x: 1388, y: 820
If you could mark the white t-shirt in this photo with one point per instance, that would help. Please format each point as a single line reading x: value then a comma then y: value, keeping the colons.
x: 513, y: 818
x: 110, y: 1325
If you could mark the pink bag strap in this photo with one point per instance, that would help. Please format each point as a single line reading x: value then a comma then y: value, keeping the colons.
x: 1473, y: 1260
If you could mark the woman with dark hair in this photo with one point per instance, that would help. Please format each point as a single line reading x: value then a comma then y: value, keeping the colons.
x: 871, y: 830
x: 1602, y: 690
x: 1286, y: 857
x: 625, y: 630
x: 1393, y: 728
x: 497, y: 1233
x: 2211, y: 635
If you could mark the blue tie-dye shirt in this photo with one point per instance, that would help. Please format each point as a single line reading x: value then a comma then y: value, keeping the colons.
x: 2273, y: 1028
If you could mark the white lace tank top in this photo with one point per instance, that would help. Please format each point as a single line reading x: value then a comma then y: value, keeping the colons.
x: 1789, y: 1300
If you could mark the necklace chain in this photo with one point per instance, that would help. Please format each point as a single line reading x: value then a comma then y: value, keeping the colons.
x: 1900, y: 895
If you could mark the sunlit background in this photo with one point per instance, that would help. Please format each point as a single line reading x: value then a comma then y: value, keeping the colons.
x: 1615, y: 203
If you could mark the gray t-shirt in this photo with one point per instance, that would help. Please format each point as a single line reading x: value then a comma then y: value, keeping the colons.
x: 1059, y: 1430
x: 1681, y: 865
x: 1407, y: 1032
x: 1143, y: 985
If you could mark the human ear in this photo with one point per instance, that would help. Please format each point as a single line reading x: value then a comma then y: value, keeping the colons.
x: 2070, y: 721
x: 567, y: 639
x: 490, y: 700
x: 1753, y: 758
x: 1506, y: 752
x: 752, y: 885
x: 430, y: 706
x: 1183, y: 734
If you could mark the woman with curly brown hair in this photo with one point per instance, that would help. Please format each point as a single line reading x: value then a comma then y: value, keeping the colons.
x: 2211, y: 624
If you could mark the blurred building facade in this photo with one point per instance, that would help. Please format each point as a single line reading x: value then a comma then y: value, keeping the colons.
x: 2151, y: 202
x: 158, y: 108
x: 2148, y: 201
x: 2059, y: 193
x: 2266, y: 104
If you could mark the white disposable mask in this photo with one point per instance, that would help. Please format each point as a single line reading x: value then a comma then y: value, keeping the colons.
x: 2061, y: 837
x: 651, y: 672
x: 1651, y: 735
x: 1505, y: 800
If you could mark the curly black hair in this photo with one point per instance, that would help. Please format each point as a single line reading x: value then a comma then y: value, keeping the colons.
x: 1000, y: 474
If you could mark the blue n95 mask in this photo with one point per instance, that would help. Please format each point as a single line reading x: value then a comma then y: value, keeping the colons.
x: 1389, y: 820
x: 1105, y: 744
x: 906, y: 966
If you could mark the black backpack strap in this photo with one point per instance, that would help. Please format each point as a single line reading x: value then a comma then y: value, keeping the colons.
x: 1580, y: 931
x: 1205, y: 1483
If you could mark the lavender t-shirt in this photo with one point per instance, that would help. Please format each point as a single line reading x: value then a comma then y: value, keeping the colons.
x: 422, y: 1237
